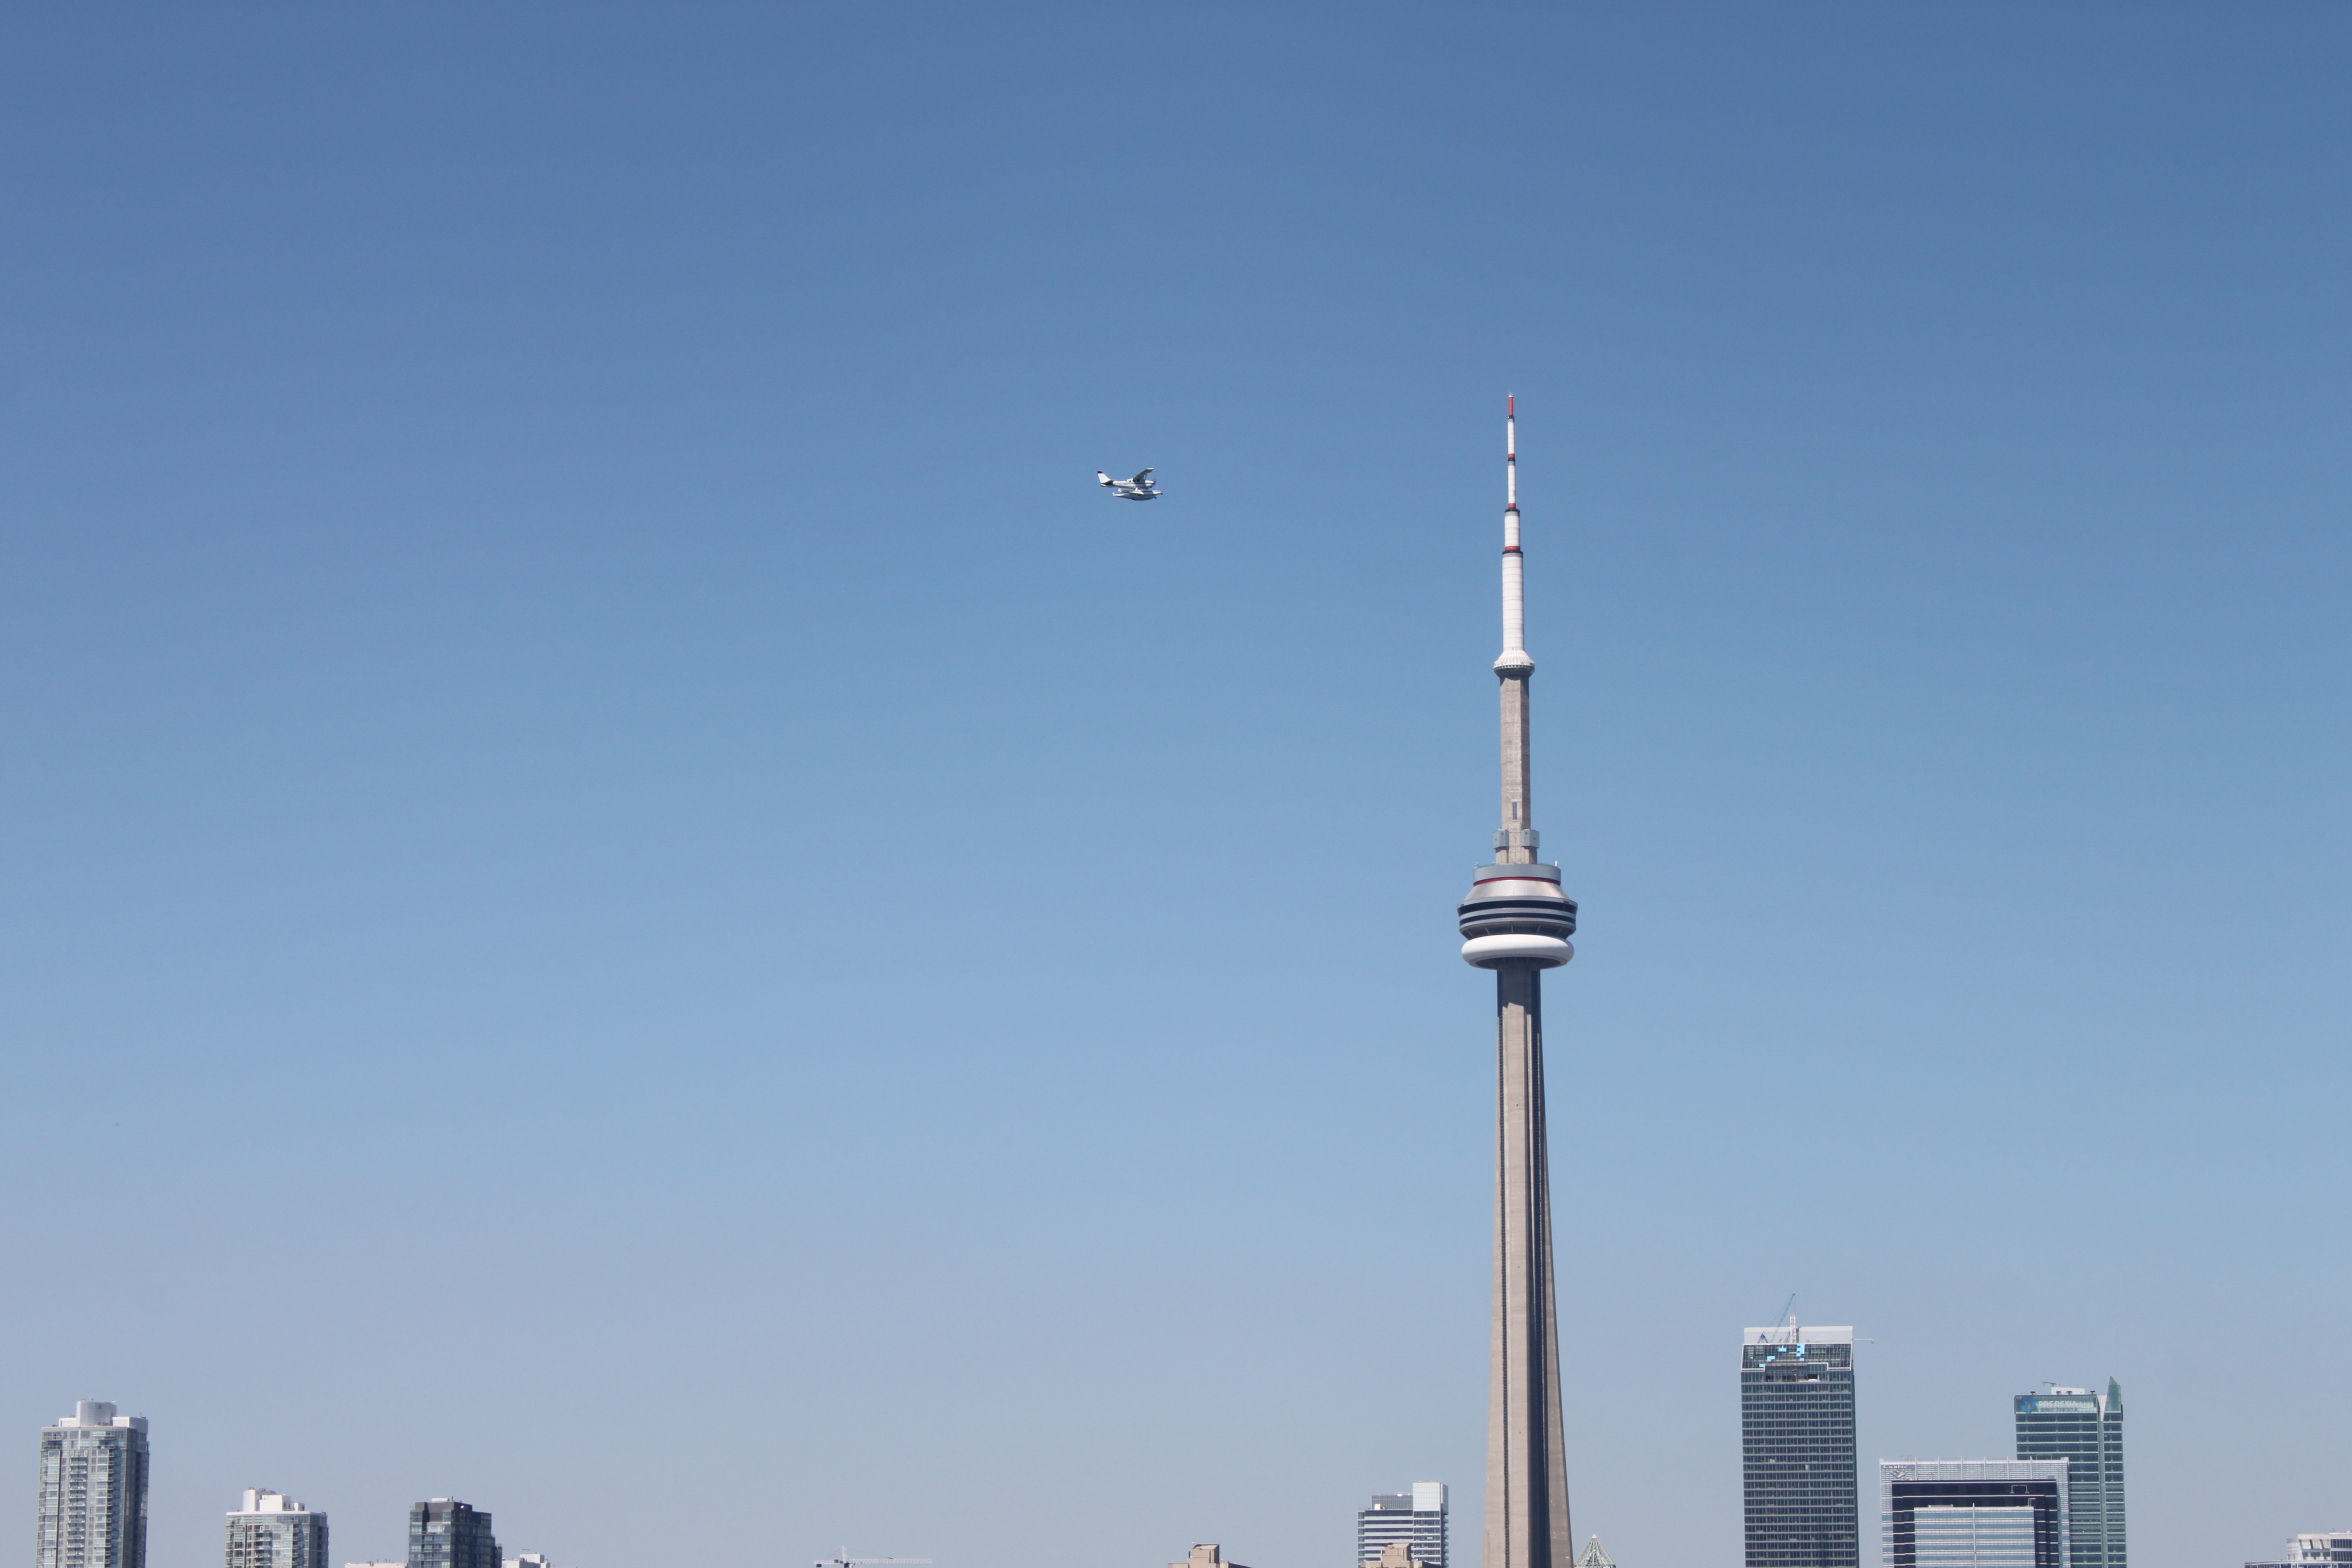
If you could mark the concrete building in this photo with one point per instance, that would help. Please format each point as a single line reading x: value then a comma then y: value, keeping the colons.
x: 1973, y: 1513
x: 2085, y: 1430
x: 1516, y: 921
x: 274, y: 1531
x: 1417, y: 1518
x: 444, y: 1533
x: 93, y: 1490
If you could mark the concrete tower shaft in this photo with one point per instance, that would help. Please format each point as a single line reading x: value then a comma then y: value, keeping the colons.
x: 1517, y: 922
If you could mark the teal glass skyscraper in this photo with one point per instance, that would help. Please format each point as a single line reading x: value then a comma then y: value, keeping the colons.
x: 2085, y: 1429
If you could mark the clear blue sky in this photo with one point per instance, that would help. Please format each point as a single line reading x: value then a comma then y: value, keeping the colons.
x: 625, y: 895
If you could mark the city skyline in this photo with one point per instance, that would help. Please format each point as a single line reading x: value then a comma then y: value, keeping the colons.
x: 2059, y: 1505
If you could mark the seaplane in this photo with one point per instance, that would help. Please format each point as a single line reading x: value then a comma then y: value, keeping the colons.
x: 1140, y: 488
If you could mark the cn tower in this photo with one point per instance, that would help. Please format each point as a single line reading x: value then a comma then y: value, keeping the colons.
x: 1517, y: 923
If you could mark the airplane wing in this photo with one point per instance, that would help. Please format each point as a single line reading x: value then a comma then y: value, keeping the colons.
x: 1140, y: 478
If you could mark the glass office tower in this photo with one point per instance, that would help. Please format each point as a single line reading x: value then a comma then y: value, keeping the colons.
x: 1973, y: 1513
x: 1797, y: 1447
x: 93, y: 1490
x: 2086, y: 1430
x: 447, y: 1534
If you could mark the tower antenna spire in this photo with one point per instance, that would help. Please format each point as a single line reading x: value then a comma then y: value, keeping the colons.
x: 1514, y: 583
x: 1517, y: 922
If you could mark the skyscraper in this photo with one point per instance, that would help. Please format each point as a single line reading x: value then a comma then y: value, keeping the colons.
x: 93, y: 1490
x: 2086, y: 1430
x: 274, y: 1531
x: 1973, y: 1513
x: 1517, y: 923
x: 447, y: 1534
x: 1417, y: 1518
x: 1797, y: 1447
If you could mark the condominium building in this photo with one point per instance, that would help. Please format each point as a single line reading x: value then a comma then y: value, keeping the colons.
x: 1973, y: 1513
x: 1797, y: 1465
x: 274, y: 1531
x: 445, y: 1533
x: 2086, y: 1430
x: 93, y: 1490
x: 1417, y: 1518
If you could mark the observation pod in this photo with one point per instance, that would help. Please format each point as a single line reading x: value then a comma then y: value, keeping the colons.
x: 1517, y: 912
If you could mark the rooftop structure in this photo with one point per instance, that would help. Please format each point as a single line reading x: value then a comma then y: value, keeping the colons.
x: 2319, y: 1549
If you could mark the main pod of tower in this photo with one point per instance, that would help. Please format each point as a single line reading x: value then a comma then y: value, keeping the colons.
x: 1517, y: 913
